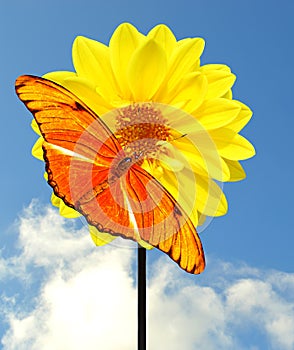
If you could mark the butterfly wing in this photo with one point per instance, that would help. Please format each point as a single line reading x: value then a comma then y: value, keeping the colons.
x: 63, y: 119
x: 80, y: 151
x: 164, y: 224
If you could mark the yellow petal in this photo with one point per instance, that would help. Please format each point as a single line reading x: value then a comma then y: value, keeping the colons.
x: 35, y: 127
x: 214, y: 66
x: 201, y: 219
x: 170, y: 158
x: 55, y: 200
x: 242, y: 119
x: 197, y: 163
x: 37, y: 150
x: 152, y: 168
x: 231, y: 145
x: 92, y: 62
x: 164, y: 37
x: 181, y: 122
x: 197, y: 145
x: 219, y: 82
x: 145, y: 244
x: 211, y: 200
x: 176, y: 184
x: 85, y: 91
x: 183, y: 41
x: 218, y: 112
x: 146, y: 70
x: 170, y: 182
x: 228, y: 95
x: 59, y: 76
x: 124, y: 41
x: 67, y: 212
x: 170, y: 163
x: 191, y: 91
x: 237, y: 172
x: 206, y: 163
x: 100, y: 238
x: 64, y: 210
x: 183, y: 60
x: 208, y: 198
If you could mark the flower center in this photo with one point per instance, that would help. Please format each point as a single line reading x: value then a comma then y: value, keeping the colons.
x: 139, y: 128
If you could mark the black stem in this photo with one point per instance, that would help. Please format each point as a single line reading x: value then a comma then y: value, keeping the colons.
x: 141, y: 298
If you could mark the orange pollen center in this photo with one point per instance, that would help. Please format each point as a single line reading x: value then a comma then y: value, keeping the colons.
x: 139, y: 128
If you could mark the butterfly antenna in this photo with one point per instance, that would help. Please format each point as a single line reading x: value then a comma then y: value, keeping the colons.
x: 177, y: 138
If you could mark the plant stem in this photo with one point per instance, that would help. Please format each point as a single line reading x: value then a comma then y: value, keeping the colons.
x: 141, y: 298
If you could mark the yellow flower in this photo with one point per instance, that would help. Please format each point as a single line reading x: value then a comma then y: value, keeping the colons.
x: 194, y: 142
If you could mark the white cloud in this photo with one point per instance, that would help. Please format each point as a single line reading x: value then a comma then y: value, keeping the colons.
x: 85, y: 297
x: 257, y: 302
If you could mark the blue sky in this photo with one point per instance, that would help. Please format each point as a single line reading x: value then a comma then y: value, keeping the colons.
x: 249, y: 251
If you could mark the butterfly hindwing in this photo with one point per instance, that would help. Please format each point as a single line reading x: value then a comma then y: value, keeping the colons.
x: 165, y: 224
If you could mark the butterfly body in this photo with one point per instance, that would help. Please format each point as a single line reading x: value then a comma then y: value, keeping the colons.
x: 115, y: 174
x: 122, y: 166
x: 90, y: 171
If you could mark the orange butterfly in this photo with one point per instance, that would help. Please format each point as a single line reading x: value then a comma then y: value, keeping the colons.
x: 89, y: 170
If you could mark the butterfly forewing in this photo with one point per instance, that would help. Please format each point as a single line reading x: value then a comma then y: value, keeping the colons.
x: 64, y: 120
